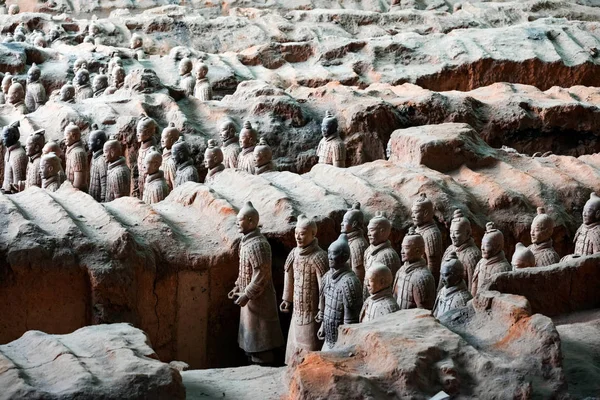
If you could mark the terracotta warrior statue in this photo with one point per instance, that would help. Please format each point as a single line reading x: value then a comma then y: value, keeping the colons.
x: 231, y: 147
x: 493, y: 261
x: 186, y: 170
x: 414, y: 286
x: 36, y: 94
x: 522, y: 257
x: 118, y: 175
x: 67, y: 93
x: 263, y: 157
x: 33, y: 149
x: 168, y: 137
x: 213, y: 160
x: 304, y: 269
x: 100, y: 83
x: 541, y: 232
x: 83, y: 90
x: 145, y: 131
x: 186, y: 80
x: 80, y: 63
x: 463, y: 245
x: 137, y: 44
x: 332, y: 149
x: 16, y: 97
x: 77, y: 170
x: 352, y: 226
x: 248, y: 136
x: 6, y: 82
x: 117, y: 78
x: 156, y: 188
x: 98, y: 167
x: 202, y: 88
x: 422, y: 216
x: 259, y: 332
x: 52, y: 146
x: 381, y: 300
x: 380, y: 249
x: 341, y: 294
x: 587, y: 238
x: 15, y: 159
x: 454, y: 293
x: 49, y: 169
x: 115, y: 61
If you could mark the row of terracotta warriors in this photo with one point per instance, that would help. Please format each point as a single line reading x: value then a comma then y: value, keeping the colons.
x: 360, y: 279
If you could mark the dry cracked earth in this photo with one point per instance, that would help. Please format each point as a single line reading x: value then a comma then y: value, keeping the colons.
x: 491, y: 107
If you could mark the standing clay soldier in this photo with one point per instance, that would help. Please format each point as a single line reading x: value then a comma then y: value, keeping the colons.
x: 77, y: 170
x: 381, y: 300
x: 259, y: 332
x: 98, y: 167
x: 414, y: 286
x: 186, y: 80
x: 340, y: 295
x: 67, y: 93
x: 15, y: 159
x: 49, y: 170
x: 52, y: 147
x: 263, y: 157
x: 137, y: 44
x: 168, y: 137
x: 248, y: 137
x: 145, y: 130
x: 304, y: 269
x: 79, y: 63
x: 422, y: 216
x: 380, y: 249
x: 202, y: 89
x: 331, y: 149
x: 83, y: 90
x: 352, y: 226
x: 213, y: 160
x: 463, y: 245
x: 587, y: 238
x: 33, y: 149
x: 156, y: 188
x: 6, y: 82
x: 118, y: 175
x: 541, y: 232
x: 117, y: 78
x: 186, y: 170
x: 522, y: 257
x: 231, y: 147
x: 36, y: 94
x: 454, y: 293
x: 493, y: 261
x: 16, y: 97
x: 100, y: 83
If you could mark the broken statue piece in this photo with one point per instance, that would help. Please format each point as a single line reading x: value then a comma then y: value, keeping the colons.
x: 542, y: 229
x: 168, y: 137
x: 186, y: 171
x: 98, y: 167
x: 381, y: 301
x: 454, y: 293
x: 304, y: 269
x: 340, y: 295
x: 263, y: 157
x: 522, y: 257
x: 77, y: 162
x: 352, y: 225
x: 331, y: 149
x: 414, y: 285
x: 248, y: 137
x: 493, y: 260
x: 213, y: 160
x: 118, y: 175
x: 15, y: 158
x: 259, y: 330
x: 463, y: 245
x: 231, y: 146
x: 380, y: 249
x: 422, y: 216
x: 155, y: 188
x: 587, y: 238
